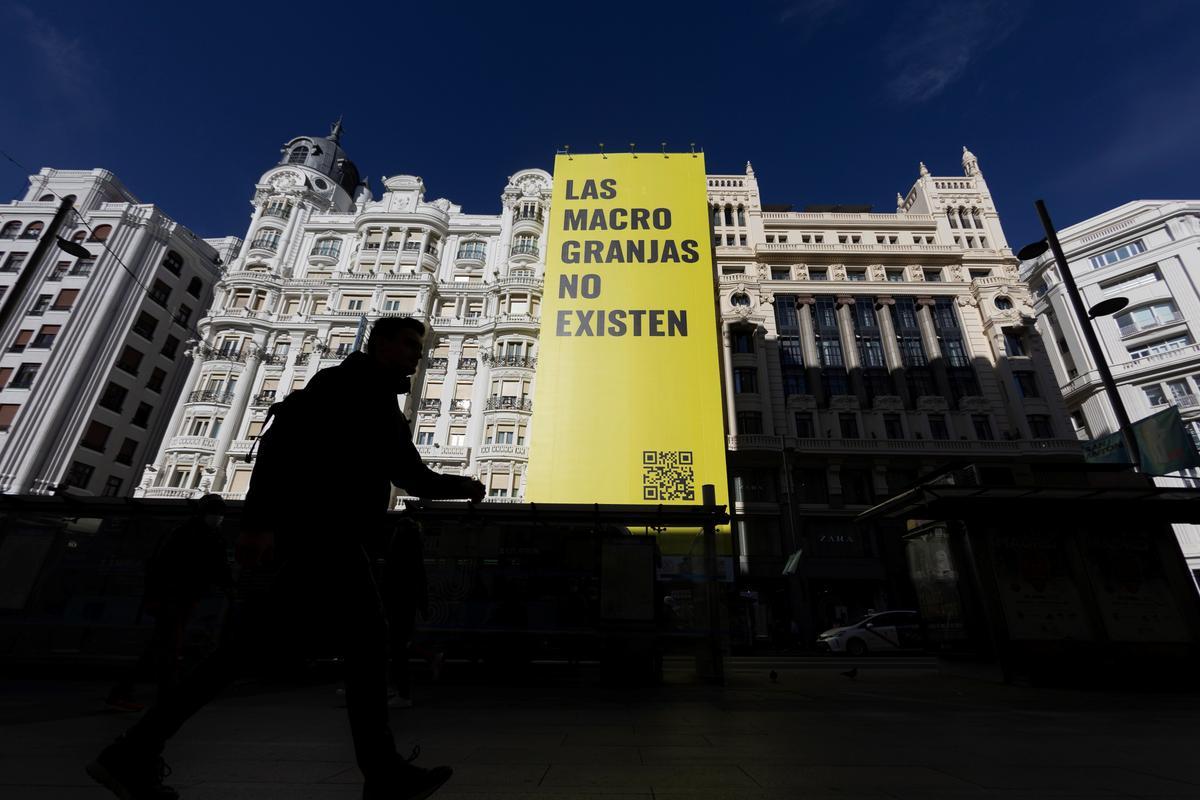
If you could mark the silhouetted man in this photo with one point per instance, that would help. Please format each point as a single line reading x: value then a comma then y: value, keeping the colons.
x: 342, y: 443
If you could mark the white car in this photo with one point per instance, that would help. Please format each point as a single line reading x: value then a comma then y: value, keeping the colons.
x: 886, y: 631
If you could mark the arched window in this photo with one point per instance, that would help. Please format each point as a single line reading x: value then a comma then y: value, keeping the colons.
x: 195, y: 287
x: 33, y: 230
x: 963, y: 218
x: 739, y: 299
x: 78, y: 236
x: 298, y: 155
x: 741, y: 217
x: 716, y: 214
x: 728, y: 214
x: 327, y: 247
x: 952, y: 217
x: 10, y: 230
x: 978, y: 219
x: 46, y: 198
x: 100, y: 233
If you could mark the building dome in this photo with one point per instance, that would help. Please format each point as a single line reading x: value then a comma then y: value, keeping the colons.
x: 325, y: 155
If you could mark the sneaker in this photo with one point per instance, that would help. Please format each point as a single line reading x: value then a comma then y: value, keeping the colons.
x: 396, y: 701
x: 407, y: 782
x: 131, y: 774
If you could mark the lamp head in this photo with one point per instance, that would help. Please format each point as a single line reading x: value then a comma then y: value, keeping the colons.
x: 1032, y: 251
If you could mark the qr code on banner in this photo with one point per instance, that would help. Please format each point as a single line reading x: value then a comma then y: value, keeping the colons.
x: 668, y: 475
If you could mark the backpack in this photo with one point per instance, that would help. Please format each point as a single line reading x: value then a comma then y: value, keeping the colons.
x: 279, y: 458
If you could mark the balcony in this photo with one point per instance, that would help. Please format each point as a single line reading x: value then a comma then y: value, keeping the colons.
x: 512, y: 451
x: 196, y: 444
x: 524, y: 251
x: 470, y: 259
x: 275, y: 359
x: 520, y: 282
x: 266, y: 245
x: 211, y: 396
x: 917, y: 446
x: 236, y: 356
x: 1132, y: 328
x: 302, y: 359
x: 170, y: 492
x: 430, y: 404
x: 437, y: 364
x: 435, y: 452
x: 519, y: 362
x: 518, y: 319
x: 508, y: 403
x: 460, y: 406
x: 468, y: 364
x: 264, y: 398
x: 239, y: 447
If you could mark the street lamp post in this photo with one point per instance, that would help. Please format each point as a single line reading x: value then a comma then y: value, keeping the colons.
x: 49, y: 238
x: 1085, y: 317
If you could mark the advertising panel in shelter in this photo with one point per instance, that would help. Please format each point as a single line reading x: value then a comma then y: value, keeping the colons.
x: 628, y: 393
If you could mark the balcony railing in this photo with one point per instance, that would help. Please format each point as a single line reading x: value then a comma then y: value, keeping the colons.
x: 523, y: 362
x: 438, y: 364
x: 430, y: 404
x: 201, y: 444
x: 460, y: 406
x: 302, y: 359
x: 503, y: 451
x: 524, y: 250
x: 1130, y: 328
x: 769, y: 442
x: 326, y: 252
x: 275, y: 359
x: 517, y: 319
x: 264, y: 398
x: 278, y: 212
x: 270, y: 245
x: 237, y: 356
x: 217, y: 396
x: 468, y: 364
x: 505, y: 402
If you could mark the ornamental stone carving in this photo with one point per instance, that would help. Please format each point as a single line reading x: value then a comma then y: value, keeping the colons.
x: 931, y: 403
x: 965, y: 300
x: 843, y: 402
x: 974, y: 404
x: 956, y: 272
x: 876, y: 272
x: 838, y: 272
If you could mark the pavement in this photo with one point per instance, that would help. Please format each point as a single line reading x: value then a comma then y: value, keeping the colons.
x: 898, y: 729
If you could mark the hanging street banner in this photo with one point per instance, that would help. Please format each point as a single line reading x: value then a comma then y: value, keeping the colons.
x: 629, y: 401
x: 1164, y: 444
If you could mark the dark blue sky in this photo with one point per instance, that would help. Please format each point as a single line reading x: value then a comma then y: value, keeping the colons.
x: 1087, y: 104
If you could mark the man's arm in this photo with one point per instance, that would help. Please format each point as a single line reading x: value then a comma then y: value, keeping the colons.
x: 409, y: 472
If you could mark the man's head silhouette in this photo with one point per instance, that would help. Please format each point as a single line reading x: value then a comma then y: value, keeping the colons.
x: 396, y: 344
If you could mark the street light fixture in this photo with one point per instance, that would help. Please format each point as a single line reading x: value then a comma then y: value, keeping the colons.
x: 1110, y: 306
x: 73, y: 248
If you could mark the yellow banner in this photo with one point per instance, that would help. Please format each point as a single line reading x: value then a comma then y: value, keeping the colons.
x: 628, y: 397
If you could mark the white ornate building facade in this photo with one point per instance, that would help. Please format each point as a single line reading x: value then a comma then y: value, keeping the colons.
x: 89, y: 371
x: 1147, y: 251
x: 324, y: 258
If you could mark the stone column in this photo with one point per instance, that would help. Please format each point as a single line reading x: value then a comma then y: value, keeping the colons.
x: 808, y: 343
x: 850, y: 353
x: 932, y: 348
x: 233, y: 420
x: 764, y: 378
x: 891, y: 348
x: 727, y: 363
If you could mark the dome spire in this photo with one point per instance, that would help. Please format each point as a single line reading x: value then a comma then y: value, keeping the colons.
x: 970, y: 163
x: 335, y: 133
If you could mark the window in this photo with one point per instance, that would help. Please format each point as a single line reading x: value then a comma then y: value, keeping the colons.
x: 1003, y: 303
x: 130, y: 360
x: 113, y: 397
x: 932, y: 274
x: 141, y: 417
x: 96, y: 437
x: 818, y: 274
x: 1014, y: 343
x: 8, y: 412
x: 160, y: 292
x: 65, y: 300
x: 1160, y: 346
x: 14, y: 262
x: 125, y: 454
x: 1118, y: 254
x: 856, y: 487
x: 170, y: 347
x: 983, y: 427
x: 1026, y: 383
x: 25, y: 375
x: 805, y: 429
x: 1180, y: 390
x: 1148, y: 316
x: 739, y: 299
x: 195, y: 287
x: 472, y: 251
x: 1155, y: 395
x: 5, y: 376
x: 10, y: 230
x: 893, y: 427
x: 60, y: 271
x: 112, y: 486
x: 298, y: 155
x: 183, y: 315
x: 1039, y: 426
x: 743, y: 340
x: 848, y: 424
x: 976, y: 274
x: 780, y: 274
x: 145, y: 325
x: 266, y: 239
x: 79, y: 475
x: 100, y: 233
x: 45, y: 336
x: 812, y: 485
x: 749, y: 422
x: 856, y: 274
x: 1121, y: 285
x: 745, y: 380
x: 155, y: 383
x: 937, y: 427
x: 280, y: 209
x: 40, y: 305
x: 895, y: 275
x: 791, y: 362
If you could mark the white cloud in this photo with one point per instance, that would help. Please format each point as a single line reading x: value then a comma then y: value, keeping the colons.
x: 62, y: 59
x: 934, y: 42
